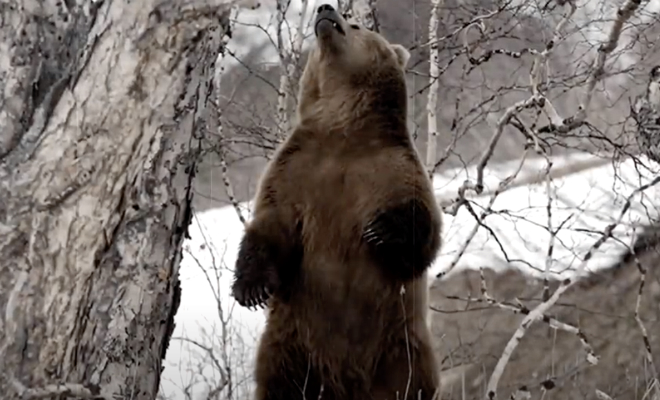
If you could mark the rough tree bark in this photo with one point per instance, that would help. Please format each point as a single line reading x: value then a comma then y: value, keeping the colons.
x: 103, y: 105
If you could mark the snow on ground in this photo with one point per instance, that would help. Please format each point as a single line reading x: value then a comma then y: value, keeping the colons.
x: 206, y: 275
x: 583, y: 204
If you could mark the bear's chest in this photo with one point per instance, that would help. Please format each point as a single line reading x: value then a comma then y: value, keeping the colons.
x: 326, y: 178
x: 326, y: 201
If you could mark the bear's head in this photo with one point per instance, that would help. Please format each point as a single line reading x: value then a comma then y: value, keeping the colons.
x: 351, y: 73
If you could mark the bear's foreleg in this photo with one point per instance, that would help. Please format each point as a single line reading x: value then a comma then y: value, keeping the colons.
x: 404, y: 239
x: 268, y: 256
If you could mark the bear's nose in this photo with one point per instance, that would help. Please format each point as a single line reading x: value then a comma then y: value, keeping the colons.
x: 325, y: 7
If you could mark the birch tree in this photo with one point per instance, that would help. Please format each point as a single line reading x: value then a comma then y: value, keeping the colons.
x: 432, y: 102
x: 289, y: 57
x: 103, y: 108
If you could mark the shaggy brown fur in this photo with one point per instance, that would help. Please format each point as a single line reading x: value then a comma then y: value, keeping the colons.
x: 344, y: 219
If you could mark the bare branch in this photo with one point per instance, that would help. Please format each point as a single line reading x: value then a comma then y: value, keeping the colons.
x: 541, y: 62
x: 602, y: 395
x: 553, y: 233
x: 537, y: 313
x: 289, y: 56
x: 537, y: 99
x: 229, y: 189
x: 597, y: 71
x: 480, y: 220
x: 501, y: 123
x: 478, y: 20
x: 642, y: 328
x: 624, y: 13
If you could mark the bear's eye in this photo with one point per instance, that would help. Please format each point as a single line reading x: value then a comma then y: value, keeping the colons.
x: 355, y: 26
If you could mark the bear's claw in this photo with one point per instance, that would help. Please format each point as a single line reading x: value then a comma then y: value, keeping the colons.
x: 399, y: 238
x: 256, y: 274
x: 254, y: 292
x: 371, y: 235
x: 391, y: 228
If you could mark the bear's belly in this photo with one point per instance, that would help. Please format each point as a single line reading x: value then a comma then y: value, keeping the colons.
x: 345, y: 323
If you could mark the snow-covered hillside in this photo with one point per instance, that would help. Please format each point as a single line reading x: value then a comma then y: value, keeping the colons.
x: 583, y: 204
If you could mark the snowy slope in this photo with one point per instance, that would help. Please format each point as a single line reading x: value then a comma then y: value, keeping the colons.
x: 583, y: 203
x: 206, y: 275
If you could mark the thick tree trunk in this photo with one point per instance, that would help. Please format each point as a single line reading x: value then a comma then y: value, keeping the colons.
x: 103, y: 105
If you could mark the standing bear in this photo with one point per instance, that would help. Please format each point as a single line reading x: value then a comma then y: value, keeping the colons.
x: 345, y: 225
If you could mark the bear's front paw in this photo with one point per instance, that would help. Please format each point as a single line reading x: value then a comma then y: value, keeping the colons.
x: 403, y: 226
x: 256, y: 272
x: 254, y: 290
x: 399, y: 239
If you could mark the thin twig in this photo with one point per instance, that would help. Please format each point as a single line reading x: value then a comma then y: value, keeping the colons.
x: 480, y: 221
x: 597, y: 71
x: 537, y: 313
x: 638, y: 319
x: 478, y: 20
x: 229, y: 189
x: 553, y: 234
x: 483, y: 161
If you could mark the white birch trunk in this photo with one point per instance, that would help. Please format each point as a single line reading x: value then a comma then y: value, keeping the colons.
x: 432, y: 102
x: 103, y: 106
x: 283, y: 90
x: 290, y: 51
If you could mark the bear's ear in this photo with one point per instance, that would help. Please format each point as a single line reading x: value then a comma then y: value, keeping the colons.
x: 402, y: 54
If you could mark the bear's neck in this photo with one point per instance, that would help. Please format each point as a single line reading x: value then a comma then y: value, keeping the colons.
x: 383, y: 107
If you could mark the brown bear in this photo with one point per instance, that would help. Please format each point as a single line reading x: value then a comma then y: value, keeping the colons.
x: 345, y: 225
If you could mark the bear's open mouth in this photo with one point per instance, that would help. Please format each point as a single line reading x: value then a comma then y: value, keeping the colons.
x: 337, y: 26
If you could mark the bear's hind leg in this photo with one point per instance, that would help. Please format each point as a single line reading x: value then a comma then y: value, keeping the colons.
x: 284, y: 372
x: 394, y: 379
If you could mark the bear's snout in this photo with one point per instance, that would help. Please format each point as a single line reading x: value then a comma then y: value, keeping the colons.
x: 328, y: 21
x: 324, y: 7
